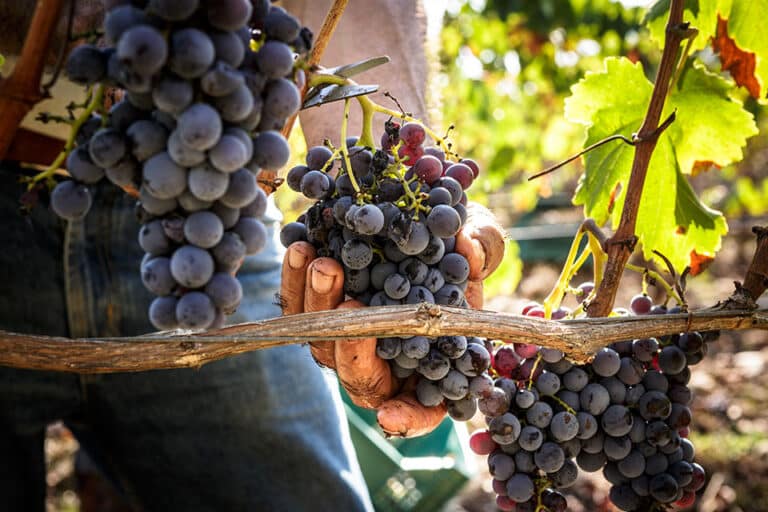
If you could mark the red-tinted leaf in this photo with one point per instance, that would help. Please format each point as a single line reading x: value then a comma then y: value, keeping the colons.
x: 699, y: 263
x: 740, y: 64
x: 703, y: 166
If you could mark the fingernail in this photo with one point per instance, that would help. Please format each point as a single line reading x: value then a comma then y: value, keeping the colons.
x: 296, y: 259
x: 320, y: 282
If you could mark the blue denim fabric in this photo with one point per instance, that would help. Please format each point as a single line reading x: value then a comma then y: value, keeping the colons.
x: 261, y: 431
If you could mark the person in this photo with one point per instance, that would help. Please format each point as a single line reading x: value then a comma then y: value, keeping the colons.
x: 259, y: 431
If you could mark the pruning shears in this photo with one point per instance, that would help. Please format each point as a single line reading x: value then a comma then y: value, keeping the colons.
x: 328, y: 93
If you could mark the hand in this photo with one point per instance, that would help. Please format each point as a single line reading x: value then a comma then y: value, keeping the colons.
x: 316, y: 284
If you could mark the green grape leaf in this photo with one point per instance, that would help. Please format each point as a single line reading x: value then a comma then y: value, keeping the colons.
x: 746, y: 31
x: 710, y: 126
x: 670, y: 219
x: 701, y: 14
x: 621, y: 84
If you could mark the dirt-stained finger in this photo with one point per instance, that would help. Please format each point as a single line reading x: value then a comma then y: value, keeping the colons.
x: 404, y: 416
x: 324, y: 290
x: 366, y: 377
x: 324, y: 285
x: 295, y: 263
x: 474, y: 294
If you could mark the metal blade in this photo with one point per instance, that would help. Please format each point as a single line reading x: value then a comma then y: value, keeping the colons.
x: 349, y: 70
x: 333, y: 93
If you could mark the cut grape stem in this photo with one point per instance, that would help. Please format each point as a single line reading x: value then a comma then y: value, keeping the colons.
x: 331, y: 21
x: 579, y: 338
x: 679, y: 282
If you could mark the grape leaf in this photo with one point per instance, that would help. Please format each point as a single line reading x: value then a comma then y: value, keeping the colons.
x: 735, y: 35
x: 740, y: 64
x: 670, y: 219
x: 746, y: 31
x: 701, y: 14
x: 710, y: 126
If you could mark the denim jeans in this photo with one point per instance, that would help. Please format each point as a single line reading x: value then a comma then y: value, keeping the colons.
x: 261, y: 431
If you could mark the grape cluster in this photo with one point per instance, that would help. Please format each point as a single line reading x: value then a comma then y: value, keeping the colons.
x: 625, y: 413
x: 207, y: 84
x: 390, y: 216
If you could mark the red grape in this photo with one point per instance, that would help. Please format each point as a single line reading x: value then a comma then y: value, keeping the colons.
x: 413, y: 153
x: 641, y: 304
x: 688, y: 499
x: 412, y: 134
x: 525, y: 350
x: 461, y: 173
x: 428, y: 168
x: 505, y: 504
x: 472, y: 165
x: 436, y: 152
x: 481, y: 443
x: 506, y: 360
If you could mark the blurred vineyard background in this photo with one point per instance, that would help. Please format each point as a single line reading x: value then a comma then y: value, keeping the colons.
x: 505, y: 69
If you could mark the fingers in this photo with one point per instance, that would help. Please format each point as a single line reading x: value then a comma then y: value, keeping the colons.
x: 324, y: 285
x: 295, y: 263
x: 366, y: 377
x: 404, y: 416
x: 481, y: 241
x: 474, y: 294
x: 323, y: 290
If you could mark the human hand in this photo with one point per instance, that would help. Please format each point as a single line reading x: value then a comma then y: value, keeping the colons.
x: 317, y: 284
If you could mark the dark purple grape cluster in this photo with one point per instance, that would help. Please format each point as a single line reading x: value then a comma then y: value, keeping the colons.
x: 626, y: 414
x: 390, y: 217
x: 206, y: 84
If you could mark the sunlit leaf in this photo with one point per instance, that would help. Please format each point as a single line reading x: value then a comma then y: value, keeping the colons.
x: 710, y: 126
x: 670, y: 218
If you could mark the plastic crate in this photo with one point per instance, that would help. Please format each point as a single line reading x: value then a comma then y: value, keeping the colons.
x: 542, y: 241
x: 410, y: 475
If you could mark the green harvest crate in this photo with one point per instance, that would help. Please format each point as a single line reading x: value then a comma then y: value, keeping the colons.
x: 410, y: 475
x: 540, y: 239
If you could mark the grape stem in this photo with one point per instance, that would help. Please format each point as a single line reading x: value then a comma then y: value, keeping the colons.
x: 657, y: 279
x: 96, y: 99
x: 573, y: 262
x: 330, y: 23
x: 345, y: 149
x: 369, y: 107
x: 533, y: 370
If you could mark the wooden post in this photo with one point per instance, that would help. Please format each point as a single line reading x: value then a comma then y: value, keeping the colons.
x: 21, y: 91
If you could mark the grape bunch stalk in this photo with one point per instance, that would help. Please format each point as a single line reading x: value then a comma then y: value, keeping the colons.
x: 390, y: 215
x: 626, y: 413
x: 207, y: 85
